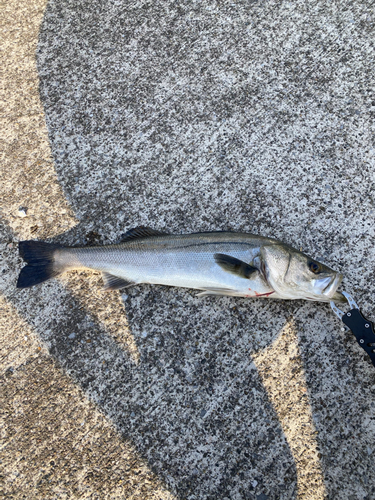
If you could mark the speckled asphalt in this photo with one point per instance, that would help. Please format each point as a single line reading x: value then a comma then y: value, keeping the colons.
x: 252, y: 116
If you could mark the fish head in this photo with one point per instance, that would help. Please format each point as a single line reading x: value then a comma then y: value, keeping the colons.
x: 295, y: 275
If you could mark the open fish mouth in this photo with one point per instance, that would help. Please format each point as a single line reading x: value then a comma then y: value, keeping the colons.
x: 332, y: 286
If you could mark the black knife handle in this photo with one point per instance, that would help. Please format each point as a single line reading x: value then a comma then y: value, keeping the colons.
x: 363, y: 331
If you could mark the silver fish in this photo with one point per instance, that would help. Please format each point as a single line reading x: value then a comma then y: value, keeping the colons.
x: 217, y: 263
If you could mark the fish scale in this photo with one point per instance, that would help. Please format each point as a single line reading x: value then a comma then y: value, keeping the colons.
x: 182, y: 260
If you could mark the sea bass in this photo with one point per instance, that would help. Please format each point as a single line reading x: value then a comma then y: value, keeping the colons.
x: 217, y: 263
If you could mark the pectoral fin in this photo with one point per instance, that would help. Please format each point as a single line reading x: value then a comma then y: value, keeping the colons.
x: 112, y: 282
x: 234, y: 266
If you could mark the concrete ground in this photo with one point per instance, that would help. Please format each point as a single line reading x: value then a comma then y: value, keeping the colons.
x: 189, y: 116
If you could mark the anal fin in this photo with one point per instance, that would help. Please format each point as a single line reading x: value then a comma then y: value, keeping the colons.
x: 112, y: 282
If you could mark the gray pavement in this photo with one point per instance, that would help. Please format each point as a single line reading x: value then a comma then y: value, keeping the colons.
x: 248, y: 116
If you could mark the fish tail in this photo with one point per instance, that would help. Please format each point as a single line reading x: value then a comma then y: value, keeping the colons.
x: 41, y: 265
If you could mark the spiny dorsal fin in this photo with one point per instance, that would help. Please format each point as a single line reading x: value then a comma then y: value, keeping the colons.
x: 140, y: 232
x: 234, y: 266
x: 112, y: 282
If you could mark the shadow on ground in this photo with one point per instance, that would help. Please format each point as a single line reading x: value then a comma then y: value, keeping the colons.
x: 192, y: 402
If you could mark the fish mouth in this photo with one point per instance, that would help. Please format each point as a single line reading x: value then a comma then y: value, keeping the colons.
x: 332, y: 286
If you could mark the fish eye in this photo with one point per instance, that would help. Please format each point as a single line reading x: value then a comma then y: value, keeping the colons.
x: 315, y: 267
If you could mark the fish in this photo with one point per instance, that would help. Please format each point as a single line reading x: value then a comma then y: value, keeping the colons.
x: 220, y: 263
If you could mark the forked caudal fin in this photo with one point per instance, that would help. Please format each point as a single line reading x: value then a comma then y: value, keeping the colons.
x: 40, y: 263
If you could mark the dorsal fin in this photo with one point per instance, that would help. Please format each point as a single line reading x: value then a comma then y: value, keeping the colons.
x: 234, y: 266
x: 140, y: 232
